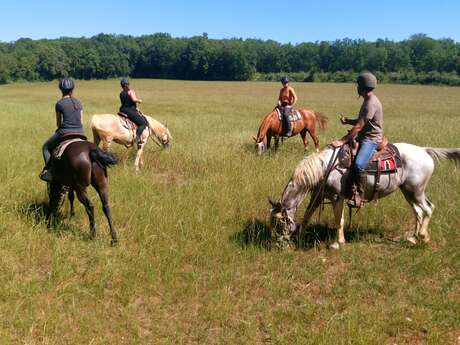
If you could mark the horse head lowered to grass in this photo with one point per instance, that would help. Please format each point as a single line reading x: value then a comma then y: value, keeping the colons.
x: 319, y: 175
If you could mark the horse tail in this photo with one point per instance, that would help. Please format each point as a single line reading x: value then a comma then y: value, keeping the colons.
x: 450, y: 154
x: 321, y: 120
x: 103, y: 159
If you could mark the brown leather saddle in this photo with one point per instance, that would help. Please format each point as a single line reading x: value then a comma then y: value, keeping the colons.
x: 126, y: 122
x: 65, y: 141
x: 293, y: 114
x: 386, y: 158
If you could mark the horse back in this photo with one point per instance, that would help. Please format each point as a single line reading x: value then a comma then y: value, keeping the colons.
x: 75, y: 166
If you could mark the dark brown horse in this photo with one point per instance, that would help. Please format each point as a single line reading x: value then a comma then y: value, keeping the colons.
x: 82, y: 164
x: 271, y: 127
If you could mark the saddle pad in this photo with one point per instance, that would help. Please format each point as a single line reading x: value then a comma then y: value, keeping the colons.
x: 127, y: 123
x: 293, y: 116
x: 59, y: 150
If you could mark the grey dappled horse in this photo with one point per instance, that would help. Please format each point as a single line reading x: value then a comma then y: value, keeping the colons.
x: 309, y: 176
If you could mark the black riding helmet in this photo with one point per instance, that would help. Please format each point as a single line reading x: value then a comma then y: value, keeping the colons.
x: 66, y: 84
x: 124, y: 82
x: 284, y: 80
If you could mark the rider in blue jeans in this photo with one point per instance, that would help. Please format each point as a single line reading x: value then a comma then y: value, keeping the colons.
x: 368, y: 131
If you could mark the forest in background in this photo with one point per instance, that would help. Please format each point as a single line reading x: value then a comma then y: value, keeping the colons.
x: 417, y: 60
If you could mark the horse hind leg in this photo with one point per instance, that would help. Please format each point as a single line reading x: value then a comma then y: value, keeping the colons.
x: 99, y: 182
x: 303, y: 135
x: 83, y: 198
x: 315, y: 138
x: 423, y: 209
x: 71, y: 197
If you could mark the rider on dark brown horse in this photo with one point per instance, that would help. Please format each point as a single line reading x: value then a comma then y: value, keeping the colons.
x: 129, y: 102
x: 286, y: 100
x: 368, y: 130
x: 69, y: 118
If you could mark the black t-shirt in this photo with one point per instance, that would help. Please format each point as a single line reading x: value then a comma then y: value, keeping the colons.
x: 126, y: 101
x: 70, y: 109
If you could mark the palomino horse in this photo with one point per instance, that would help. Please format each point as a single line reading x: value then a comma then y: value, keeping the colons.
x: 271, y: 127
x: 82, y: 164
x: 108, y: 128
x: 310, y: 174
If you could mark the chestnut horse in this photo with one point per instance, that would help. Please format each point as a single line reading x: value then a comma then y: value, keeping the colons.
x: 82, y: 164
x: 272, y: 127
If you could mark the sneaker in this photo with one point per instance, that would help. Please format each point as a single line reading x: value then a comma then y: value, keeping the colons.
x: 46, y: 176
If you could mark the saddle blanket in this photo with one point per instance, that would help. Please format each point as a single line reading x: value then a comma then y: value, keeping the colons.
x: 59, y: 150
x: 293, y: 116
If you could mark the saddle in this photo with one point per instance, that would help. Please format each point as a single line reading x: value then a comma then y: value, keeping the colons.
x: 126, y: 122
x: 65, y: 141
x: 386, y: 158
x: 293, y: 115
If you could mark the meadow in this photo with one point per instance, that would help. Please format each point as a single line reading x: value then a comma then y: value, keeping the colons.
x: 195, y: 264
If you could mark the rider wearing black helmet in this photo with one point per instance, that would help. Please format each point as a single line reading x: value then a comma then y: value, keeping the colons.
x: 69, y: 119
x: 128, y: 106
x: 286, y: 100
x: 368, y: 130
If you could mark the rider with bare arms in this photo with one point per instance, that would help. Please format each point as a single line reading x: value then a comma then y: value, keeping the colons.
x: 286, y: 100
x: 368, y: 131
x: 128, y: 106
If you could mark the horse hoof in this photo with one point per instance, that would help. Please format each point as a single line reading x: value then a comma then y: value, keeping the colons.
x: 317, y: 150
x: 411, y: 239
x: 113, y: 242
x: 335, y: 246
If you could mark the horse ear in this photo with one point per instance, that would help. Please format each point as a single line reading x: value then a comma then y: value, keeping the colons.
x: 254, y: 138
x: 166, y: 124
x: 273, y: 203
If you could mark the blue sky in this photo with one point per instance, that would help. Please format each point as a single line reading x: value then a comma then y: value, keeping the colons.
x: 294, y: 21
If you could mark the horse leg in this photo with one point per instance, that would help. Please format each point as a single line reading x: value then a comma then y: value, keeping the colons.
x: 99, y: 182
x: 106, y: 144
x: 315, y: 201
x: 71, y: 197
x: 269, y: 140
x: 140, y: 150
x: 83, y: 198
x: 277, y: 141
x: 423, y: 210
x: 339, y: 224
x: 303, y: 134
x: 313, y: 135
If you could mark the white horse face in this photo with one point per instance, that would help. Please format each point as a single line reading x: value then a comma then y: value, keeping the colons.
x: 261, y: 148
x: 165, y: 140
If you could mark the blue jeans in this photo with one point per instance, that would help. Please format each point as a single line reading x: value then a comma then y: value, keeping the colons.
x: 366, y: 149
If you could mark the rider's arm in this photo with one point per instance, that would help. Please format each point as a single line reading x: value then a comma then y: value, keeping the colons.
x: 81, y: 116
x: 347, y: 121
x: 279, y: 97
x: 133, y: 96
x: 294, y: 96
x: 58, y: 119
x: 355, y: 129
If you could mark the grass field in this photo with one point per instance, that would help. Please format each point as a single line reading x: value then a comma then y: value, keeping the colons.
x: 194, y: 264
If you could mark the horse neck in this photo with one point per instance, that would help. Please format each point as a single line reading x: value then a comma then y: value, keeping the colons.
x: 158, y: 129
x: 306, y: 177
x: 265, y: 126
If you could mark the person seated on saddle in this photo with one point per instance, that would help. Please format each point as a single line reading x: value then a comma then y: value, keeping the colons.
x: 69, y: 119
x: 128, y: 106
x: 286, y: 100
x: 368, y: 131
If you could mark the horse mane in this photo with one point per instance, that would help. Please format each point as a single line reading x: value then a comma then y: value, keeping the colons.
x: 264, y: 126
x: 310, y: 171
x: 157, y: 127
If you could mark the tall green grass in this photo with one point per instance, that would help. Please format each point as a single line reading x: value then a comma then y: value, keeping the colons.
x: 194, y: 264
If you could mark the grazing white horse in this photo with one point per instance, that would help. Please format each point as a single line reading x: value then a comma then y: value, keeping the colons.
x: 108, y: 128
x: 309, y: 176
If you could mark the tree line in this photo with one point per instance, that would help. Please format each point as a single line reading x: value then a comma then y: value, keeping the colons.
x: 419, y: 59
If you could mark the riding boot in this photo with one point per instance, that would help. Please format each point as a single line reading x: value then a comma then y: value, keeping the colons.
x: 46, y: 174
x: 357, y: 191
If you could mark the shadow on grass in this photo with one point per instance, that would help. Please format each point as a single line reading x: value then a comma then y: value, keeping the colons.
x: 257, y: 233
x: 39, y: 213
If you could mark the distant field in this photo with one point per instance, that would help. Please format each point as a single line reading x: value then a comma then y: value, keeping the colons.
x: 194, y: 265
